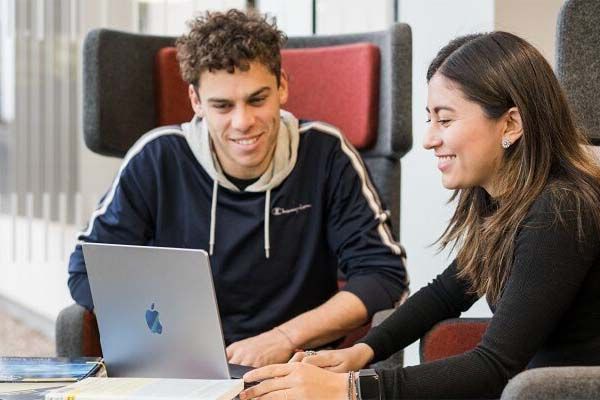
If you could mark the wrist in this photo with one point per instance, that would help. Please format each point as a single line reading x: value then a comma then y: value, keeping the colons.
x: 286, y: 338
x: 364, y: 354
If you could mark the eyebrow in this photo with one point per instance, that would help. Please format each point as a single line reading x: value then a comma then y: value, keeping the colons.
x: 440, y: 108
x: 251, y: 95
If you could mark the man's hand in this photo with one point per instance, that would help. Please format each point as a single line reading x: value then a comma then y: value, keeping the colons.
x: 271, y: 347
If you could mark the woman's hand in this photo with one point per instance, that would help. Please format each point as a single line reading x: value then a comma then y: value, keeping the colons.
x: 293, y: 381
x: 344, y: 360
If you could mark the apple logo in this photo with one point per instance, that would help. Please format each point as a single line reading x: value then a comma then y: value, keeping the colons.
x: 152, y: 320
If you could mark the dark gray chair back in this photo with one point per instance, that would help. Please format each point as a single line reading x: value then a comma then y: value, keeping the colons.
x: 119, y: 96
x: 578, y: 61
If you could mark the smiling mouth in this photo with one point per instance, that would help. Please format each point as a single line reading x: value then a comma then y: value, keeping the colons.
x: 246, y: 141
x: 446, y: 158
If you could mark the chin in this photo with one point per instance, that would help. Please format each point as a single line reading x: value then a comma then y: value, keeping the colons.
x: 453, y: 185
x: 448, y: 185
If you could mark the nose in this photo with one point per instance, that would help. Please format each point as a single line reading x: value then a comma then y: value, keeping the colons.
x: 432, y: 139
x: 243, y: 119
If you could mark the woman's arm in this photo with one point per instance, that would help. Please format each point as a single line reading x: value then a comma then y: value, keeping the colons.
x: 445, y: 297
x: 550, y: 264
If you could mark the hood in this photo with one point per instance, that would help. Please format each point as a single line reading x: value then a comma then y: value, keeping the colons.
x: 284, y: 159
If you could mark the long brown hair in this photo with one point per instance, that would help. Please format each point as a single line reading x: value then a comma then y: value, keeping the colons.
x: 499, y: 70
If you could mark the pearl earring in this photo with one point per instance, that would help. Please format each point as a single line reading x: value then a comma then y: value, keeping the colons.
x: 506, y: 143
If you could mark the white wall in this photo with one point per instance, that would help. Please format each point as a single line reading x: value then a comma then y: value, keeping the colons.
x: 33, y: 264
x: 344, y: 16
x: 7, y: 67
x: 534, y: 20
x: 293, y: 17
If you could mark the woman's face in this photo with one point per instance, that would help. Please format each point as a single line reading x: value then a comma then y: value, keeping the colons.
x: 466, y: 142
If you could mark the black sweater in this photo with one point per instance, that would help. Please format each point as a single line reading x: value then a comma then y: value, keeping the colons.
x: 548, y: 314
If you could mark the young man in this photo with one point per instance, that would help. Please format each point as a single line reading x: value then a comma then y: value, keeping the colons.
x: 279, y: 204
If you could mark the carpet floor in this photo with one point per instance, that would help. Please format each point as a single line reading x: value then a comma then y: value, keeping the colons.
x: 17, y: 339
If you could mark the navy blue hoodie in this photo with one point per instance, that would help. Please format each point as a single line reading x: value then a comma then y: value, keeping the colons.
x: 275, y: 247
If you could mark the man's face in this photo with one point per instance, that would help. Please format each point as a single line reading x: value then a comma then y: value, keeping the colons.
x: 242, y: 114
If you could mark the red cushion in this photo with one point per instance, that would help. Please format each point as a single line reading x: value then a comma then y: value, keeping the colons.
x: 90, y: 346
x: 452, y: 337
x: 336, y: 84
x: 172, y: 101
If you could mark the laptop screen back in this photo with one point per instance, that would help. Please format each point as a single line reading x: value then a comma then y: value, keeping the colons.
x: 157, y: 312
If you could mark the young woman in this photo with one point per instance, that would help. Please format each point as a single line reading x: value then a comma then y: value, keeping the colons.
x: 526, y: 226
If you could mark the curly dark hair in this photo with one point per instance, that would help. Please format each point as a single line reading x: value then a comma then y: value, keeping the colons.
x: 229, y: 40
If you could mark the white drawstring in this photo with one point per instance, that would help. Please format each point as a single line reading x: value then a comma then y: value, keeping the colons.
x: 267, y: 220
x: 213, y: 217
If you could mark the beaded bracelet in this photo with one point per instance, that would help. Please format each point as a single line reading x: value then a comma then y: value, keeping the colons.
x: 350, y: 385
x: 353, y: 392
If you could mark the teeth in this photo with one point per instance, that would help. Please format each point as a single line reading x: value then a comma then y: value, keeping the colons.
x: 246, y: 141
x: 446, y: 158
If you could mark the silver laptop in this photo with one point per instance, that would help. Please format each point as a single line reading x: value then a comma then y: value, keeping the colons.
x: 157, y: 312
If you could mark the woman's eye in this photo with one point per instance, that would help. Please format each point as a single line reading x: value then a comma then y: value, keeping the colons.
x: 444, y: 122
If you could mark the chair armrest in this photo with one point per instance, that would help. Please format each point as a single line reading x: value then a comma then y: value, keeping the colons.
x: 554, y: 383
x: 381, y: 316
x: 77, y: 333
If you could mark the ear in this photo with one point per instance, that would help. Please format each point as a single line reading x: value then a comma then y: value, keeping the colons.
x: 283, y: 88
x: 514, y: 125
x: 195, y: 101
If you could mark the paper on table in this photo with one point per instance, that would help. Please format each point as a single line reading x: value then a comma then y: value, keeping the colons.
x: 145, y: 388
x: 22, y: 386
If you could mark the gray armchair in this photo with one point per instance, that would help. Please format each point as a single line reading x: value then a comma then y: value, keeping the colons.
x: 124, y: 97
x: 556, y: 383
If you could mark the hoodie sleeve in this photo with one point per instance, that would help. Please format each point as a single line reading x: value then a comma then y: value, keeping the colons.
x: 122, y: 217
x: 359, y: 232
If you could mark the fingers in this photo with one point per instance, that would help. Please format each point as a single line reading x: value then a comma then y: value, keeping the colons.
x: 337, y: 368
x: 238, y: 354
x: 322, y: 359
x: 278, y: 395
x: 268, y: 372
x: 234, y: 355
x: 297, y: 357
x: 268, y: 389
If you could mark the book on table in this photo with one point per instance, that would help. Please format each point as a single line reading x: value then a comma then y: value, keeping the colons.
x: 148, y: 388
x: 31, y: 377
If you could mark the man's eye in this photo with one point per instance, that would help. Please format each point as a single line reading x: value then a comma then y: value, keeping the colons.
x: 444, y: 122
x: 221, y: 106
x: 257, y: 100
